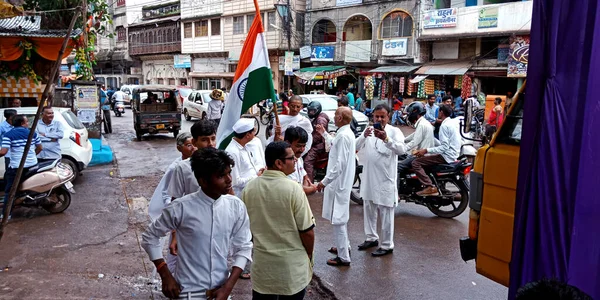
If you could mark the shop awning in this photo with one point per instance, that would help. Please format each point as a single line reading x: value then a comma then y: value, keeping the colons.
x: 321, y: 69
x: 448, y: 67
x: 320, y: 72
x: 394, y: 69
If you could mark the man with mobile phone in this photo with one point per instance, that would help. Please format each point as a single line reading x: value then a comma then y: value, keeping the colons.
x: 210, y: 224
x: 380, y: 146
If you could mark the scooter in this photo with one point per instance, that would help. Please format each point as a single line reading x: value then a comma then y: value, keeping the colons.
x: 119, y: 108
x: 47, y: 186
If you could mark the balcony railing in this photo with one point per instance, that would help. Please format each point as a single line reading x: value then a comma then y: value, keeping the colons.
x: 155, y: 49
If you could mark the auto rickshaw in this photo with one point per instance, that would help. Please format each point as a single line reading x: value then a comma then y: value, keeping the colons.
x: 155, y: 110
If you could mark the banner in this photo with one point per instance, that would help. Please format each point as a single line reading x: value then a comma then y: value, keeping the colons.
x: 358, y: 51
x: 441, y: 18
x: 322, y: 53
x: 287, y: 63
x: 518, y: 56
x: 488, y: 17
x: 394, y: 47
x: 305, y: 52
x: 182, y: 61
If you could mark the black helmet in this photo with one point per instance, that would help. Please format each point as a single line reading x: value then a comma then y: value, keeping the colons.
x: 314, y: 109
x: 414, y: 110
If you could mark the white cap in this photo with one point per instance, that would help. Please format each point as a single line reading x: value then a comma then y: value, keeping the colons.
x: 243, y: 125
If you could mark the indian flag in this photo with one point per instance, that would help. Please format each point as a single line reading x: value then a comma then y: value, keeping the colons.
x: 252, y: 83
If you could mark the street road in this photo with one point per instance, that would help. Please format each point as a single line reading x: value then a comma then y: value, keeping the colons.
x: 92, y: 251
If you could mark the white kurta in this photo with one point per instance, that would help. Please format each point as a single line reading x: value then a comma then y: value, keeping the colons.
x: 161, y: 196
x: 183, y: 182
x: 249, y: 159
x: 340, y: 177
x: 380, y: 166
x: 206, y: 230
x: 299, y: 121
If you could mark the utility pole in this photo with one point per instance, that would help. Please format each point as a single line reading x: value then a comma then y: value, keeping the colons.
x: 289, y: 39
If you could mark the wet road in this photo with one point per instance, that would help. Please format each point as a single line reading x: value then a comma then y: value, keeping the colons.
x: 61, y: 256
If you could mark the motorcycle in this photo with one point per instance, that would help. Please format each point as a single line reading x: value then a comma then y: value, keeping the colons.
x: 119, y: 108
x: 451, y: 181
x: 48, y: 186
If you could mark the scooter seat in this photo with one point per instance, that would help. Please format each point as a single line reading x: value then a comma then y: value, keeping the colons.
x: 446, y: 168
x: 41, y: 167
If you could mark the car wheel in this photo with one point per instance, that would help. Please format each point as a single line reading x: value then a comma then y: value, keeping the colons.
x: 187, y: 115
x: 72, y: 166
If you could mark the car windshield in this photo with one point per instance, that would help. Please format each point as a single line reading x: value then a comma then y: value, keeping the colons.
x: 72, y: 120
x: 185, y: 92
x: 326, y: 103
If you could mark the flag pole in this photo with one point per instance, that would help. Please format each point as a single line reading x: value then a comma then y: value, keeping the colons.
x: 273, y: 96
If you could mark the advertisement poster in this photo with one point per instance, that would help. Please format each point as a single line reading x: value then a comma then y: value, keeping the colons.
x: 503, y: 54
x: 358, y: 51
x: 518, y: 56
x: 394, y: 47
x: 488, y: 17
x: 441, y: 18
x: 305, y: 52
x: 287, y: 64
x: 182, y: 61
x: 322, y: 53
x: 86, y: 97
x: 87, y: 115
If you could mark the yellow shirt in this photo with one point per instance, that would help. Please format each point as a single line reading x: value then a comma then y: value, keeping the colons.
x: 279, y: 212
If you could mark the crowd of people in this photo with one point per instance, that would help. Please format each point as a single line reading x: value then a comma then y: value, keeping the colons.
x: 219, y: 210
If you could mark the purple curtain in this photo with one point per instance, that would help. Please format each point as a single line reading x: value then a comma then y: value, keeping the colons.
x: 557, y: 213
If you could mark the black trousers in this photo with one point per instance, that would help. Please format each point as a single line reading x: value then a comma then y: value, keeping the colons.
x: 107, y: 121
x: 258, y: 296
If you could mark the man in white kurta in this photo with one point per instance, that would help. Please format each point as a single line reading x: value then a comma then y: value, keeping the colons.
x: 247, y: 153
x: 294, y: 118
x: 379, y: 190
x: 338, y: 183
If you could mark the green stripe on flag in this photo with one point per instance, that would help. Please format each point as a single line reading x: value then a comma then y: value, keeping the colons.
x: 259, y: 87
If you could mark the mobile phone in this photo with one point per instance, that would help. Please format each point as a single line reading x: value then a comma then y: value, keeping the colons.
x: 377, y: 126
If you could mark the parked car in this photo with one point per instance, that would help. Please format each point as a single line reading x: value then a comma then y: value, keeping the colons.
x: 330, y: 105
x: 128, y: 89
x: 75, y: 147
x: 196, y: 104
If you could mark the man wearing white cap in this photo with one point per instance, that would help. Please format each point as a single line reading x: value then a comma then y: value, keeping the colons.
x: 247, y: 153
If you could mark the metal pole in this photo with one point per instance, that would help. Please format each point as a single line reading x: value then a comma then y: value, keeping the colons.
x: 51, y: 82
x: 289, y: 39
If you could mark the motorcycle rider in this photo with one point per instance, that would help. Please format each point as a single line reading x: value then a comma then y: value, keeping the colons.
x: 422, y: 138
x: 317, y: 117
x: 447, y: 152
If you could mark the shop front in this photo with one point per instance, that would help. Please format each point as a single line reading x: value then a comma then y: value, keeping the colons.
x: 441, y: 78
x: 326, y: 79
x: 379, y: 85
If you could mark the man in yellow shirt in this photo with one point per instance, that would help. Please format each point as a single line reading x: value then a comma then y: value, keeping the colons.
x: 282, y: 226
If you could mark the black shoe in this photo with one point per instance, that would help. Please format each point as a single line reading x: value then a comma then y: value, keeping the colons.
x: 368, y: 244
x: 382, y: 252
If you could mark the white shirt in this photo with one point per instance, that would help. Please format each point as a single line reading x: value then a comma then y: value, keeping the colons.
x: 161, y: 196
x: 119, y: 96
x: 206, y: 228
x: 183, y: 182
x: 338, y: 182
x: 422, y: 138
x: 299, y: 173
x: 380, y: 161
x: 298, y: 121
x: 214, y: 109
x: 54, y: 130
x: 450, y: 141
x: 249, y: 159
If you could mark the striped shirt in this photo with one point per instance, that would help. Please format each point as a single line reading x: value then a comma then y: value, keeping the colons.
x: 15, y: 141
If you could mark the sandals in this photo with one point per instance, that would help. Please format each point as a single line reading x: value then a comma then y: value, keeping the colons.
x: 338, y: 262
x: 245, y: 275
x: 333, y: 250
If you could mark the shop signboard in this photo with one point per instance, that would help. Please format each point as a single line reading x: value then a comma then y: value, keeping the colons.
x: 182, y: 61
x: 518, y: 56
x: 305, y: 52
x: 358, y: 51
x: 440, y: 18
x: 503, y: 54
x: 347, y: 2
x: 395, y: 47
x: 488, y: 17
x: 322, y: 53
x: 295, y: 63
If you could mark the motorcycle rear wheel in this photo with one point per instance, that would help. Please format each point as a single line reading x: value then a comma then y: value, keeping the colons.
x: 62, y: 199
x: 456, y: 210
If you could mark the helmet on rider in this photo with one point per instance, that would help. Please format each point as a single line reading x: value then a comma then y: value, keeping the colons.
x: 415, y: 110
x: 314, y: 109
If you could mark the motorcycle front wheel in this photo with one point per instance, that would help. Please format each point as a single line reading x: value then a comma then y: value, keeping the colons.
x: 460, y: 196
x: 58, y: 201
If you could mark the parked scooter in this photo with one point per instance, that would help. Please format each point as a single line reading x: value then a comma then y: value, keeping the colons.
x: 48, y: 186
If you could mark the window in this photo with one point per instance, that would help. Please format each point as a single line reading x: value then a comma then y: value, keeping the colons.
x: 215, y: 83
x: 121, y: 34
x: 272, y: 19
x: 160, y: 81
x: 202, y: 84
x: 201, y: 28
x: 300, y: 22
x: 171, y: 81
x: 250, y: 19
x: 489, y: 46
x: 238, y: 25
x: 120, y: 3
x: 396, y: 24
x: 187, y: 30
x: 215, y: 27
x: 324, y: 32
x: 72, y: 120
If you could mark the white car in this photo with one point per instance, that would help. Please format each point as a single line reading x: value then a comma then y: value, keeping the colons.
x: 127, y: 89
x: 75, y: 147
x: 329, y: 105
x: 196, y: 104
